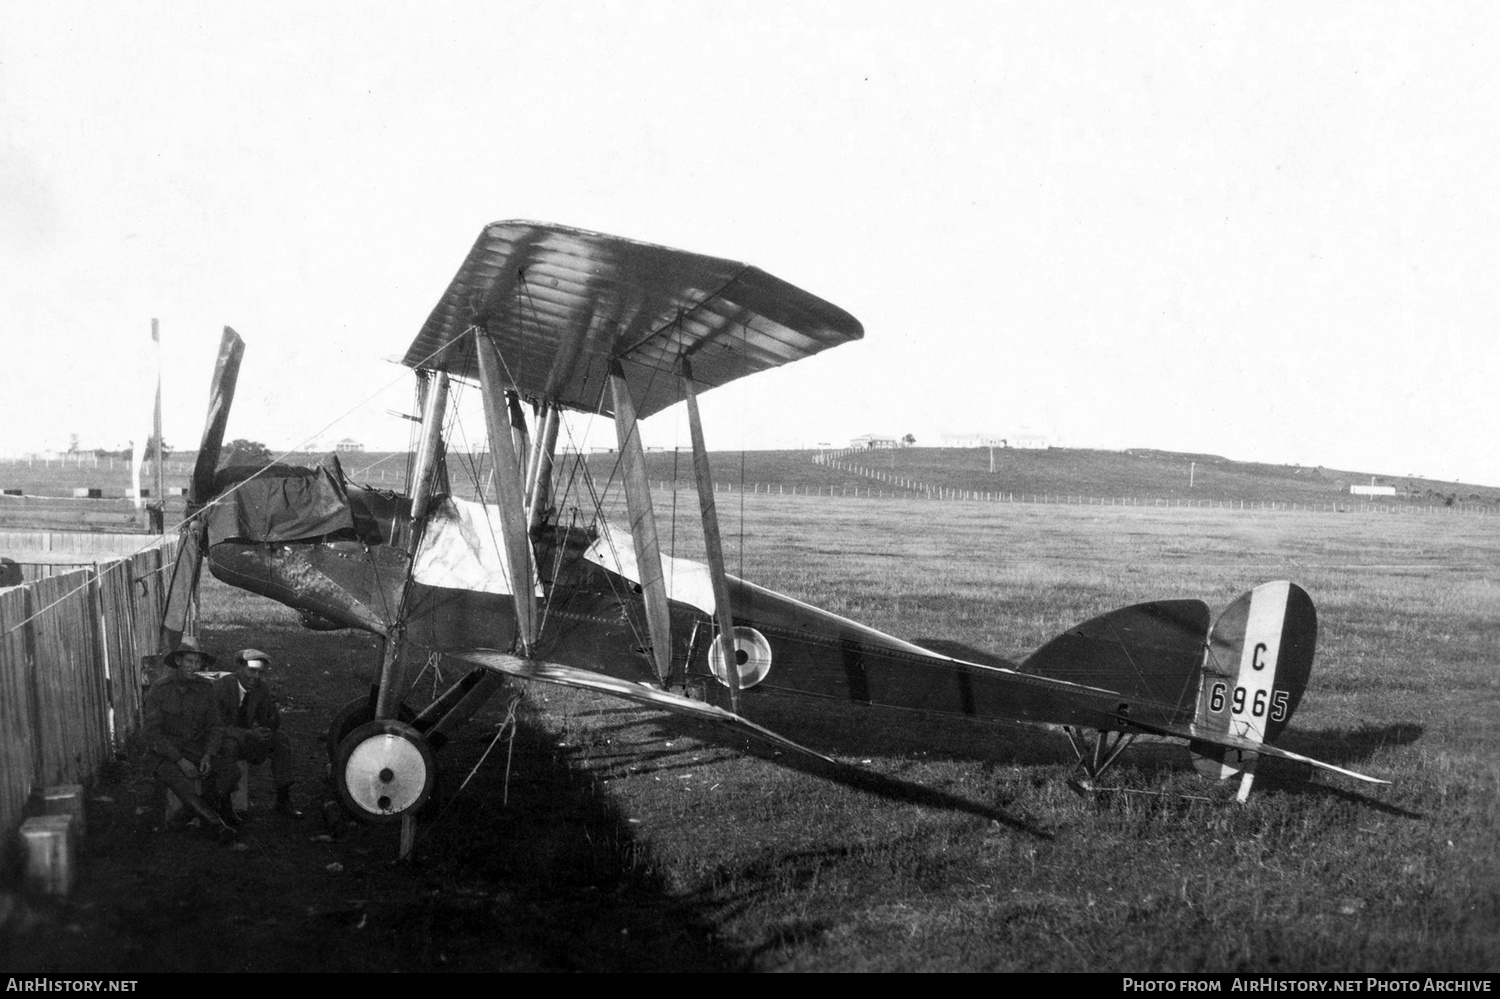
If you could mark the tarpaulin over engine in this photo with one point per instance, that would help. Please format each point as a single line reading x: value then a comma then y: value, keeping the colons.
x: 281, y: 503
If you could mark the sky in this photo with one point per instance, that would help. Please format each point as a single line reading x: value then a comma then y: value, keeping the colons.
x: 1266, y: 231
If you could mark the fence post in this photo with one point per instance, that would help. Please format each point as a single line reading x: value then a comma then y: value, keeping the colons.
x: 101, y: 642
x: 33, y: 701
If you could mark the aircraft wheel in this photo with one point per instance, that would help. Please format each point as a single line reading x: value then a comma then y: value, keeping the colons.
x: 385, y: 769
x: 354, y: 714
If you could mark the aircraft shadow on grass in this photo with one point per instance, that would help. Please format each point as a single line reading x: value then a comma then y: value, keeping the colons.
x: 888, y: 787
x: 777, y: 872
x: 1345, y: 746
x: 565, y: 856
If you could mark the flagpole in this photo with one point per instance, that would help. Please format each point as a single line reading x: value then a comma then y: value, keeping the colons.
x: 161, y: 488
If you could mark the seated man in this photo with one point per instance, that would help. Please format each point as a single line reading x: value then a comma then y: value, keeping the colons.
x: 185, y: 739
x: 252, y: 723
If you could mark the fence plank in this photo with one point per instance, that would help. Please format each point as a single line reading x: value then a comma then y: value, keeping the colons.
x: 17, y: 743
x: 69, y: 683
x: 147, y: 589
x: 119, y: 645
x: 77, y: 653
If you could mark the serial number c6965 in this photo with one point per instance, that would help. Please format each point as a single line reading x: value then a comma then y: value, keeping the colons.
x: 1257, y: 702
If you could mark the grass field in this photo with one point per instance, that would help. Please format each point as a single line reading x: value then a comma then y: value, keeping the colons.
x: 607, y: 837
x: 1313, y: 874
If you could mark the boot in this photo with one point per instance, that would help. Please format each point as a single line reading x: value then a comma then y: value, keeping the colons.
x: 212, y: 823
x: 224, y: 805
x: 284, y: 802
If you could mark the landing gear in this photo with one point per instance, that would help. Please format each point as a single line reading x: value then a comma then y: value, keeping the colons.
x: 1095, y: 755
x: 351, y: 716
x: 384, y: 771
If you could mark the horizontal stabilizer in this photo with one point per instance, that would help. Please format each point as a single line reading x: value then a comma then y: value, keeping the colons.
x: 1145, y: 652
x: 1194, y: 733
x: 570, y: 676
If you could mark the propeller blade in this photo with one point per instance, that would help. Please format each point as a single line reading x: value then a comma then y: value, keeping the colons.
x: 182, y: 593
x: 220, y: 398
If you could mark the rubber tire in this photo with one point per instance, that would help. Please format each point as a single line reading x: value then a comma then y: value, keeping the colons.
x: 351, y: 716
x: 357, y: 738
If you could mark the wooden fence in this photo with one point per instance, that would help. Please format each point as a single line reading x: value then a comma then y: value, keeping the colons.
x: 49, y: 546
x: 71, y: 647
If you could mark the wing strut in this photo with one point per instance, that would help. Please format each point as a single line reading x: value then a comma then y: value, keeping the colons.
x: 711, y: 540
x: 642, y: 523
x: 521, y: 438
x: 433, y: 390
x: 434, y: 406
x: 510, y: 493
x: 539, y: 472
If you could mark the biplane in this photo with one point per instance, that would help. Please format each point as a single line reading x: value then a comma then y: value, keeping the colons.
x: 533, y: 582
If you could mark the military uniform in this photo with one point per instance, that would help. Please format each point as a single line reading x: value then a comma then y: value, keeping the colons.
x: 182, y: 723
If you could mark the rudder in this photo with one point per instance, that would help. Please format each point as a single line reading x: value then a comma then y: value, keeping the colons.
x: 1255, y: 668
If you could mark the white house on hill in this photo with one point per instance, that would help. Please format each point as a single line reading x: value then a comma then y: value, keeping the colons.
x: 973, y: 440
x: 1025, y: 439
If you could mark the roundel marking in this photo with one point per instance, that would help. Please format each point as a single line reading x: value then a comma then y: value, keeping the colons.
x: 752, y: 655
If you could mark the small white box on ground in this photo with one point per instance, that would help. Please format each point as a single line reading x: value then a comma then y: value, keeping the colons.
x: 47, y: 845
x: 66, y: 799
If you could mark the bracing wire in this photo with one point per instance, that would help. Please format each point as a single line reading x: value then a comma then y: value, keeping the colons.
x: 506, y: 730
x: 230, y: 491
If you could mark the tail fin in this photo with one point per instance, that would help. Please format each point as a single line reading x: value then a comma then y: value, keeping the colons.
x: 1259, y: 656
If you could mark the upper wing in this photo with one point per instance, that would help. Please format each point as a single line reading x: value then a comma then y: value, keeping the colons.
x: 562, y: 302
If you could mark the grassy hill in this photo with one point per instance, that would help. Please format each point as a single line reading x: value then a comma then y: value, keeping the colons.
x: 1147, y: 473
x: 1139, y: 474
x: 1075, y: 472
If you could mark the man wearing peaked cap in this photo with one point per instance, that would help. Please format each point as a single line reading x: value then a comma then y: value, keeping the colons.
x: 252, y: 723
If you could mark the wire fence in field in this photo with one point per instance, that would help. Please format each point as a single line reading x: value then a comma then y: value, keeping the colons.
x: 944, y: 494
x: 890, y: 485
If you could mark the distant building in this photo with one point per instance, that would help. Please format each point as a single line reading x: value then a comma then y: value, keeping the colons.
x: 870, y: 442
x: 1372, y: 490
x: 973, y: 440
x: 348, y: 446
x: 1025, y: 439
